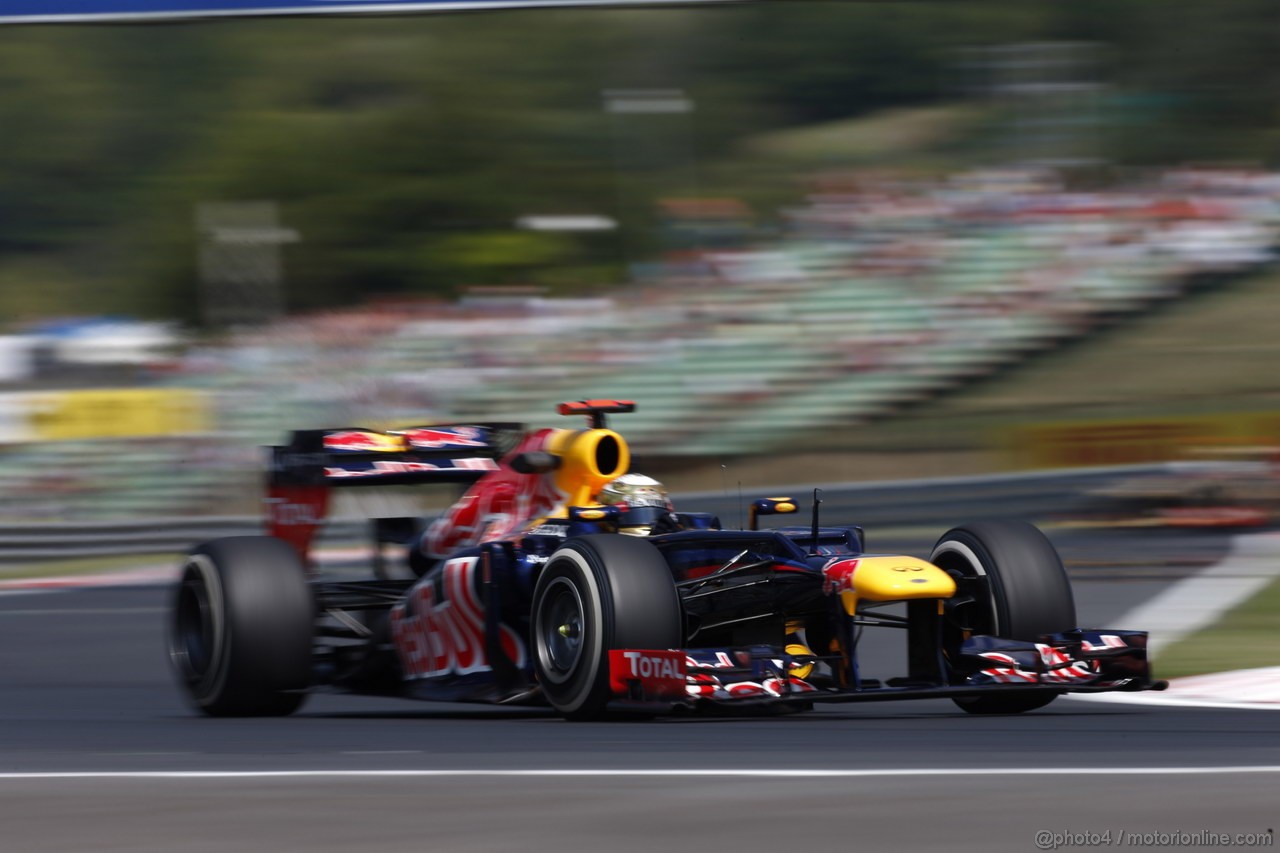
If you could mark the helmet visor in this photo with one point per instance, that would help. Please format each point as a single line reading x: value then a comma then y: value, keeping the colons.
x: 641, y: 516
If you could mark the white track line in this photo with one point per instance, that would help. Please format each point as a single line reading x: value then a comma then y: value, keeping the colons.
x: 649, y: 773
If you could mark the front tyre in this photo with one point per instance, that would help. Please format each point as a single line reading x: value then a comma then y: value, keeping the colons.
x: 595, y: 594
x: 240, y: 632
x: 1028, y: 594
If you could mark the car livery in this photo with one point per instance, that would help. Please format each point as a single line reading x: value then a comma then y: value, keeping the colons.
x: 524, y: 592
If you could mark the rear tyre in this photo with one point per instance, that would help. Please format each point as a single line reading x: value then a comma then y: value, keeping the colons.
x: 1030, y: 594
x: 240, y: 633
x: 598, y: 593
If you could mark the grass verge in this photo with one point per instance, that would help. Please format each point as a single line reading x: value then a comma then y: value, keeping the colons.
x: 1246, y: 637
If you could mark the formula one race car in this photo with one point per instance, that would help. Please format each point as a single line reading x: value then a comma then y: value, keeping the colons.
x: 531, y: 590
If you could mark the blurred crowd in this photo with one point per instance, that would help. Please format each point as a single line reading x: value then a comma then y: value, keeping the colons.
x: 878, y: 291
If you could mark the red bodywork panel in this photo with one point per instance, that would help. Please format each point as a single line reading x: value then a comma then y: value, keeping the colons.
x: 498, y: 504
x: 295, y: 513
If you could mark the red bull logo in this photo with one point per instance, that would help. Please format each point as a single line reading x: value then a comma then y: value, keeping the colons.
x: 362, y: 441
x: 495, y: 506
x: 837, y: 576
x: 439, y: 637
x: 427, y: 438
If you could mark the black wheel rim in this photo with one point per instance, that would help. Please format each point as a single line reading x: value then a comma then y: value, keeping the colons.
x: 193, y: 630
x: 561, y: 630
x: 974, y: 615
x: 978, y: 612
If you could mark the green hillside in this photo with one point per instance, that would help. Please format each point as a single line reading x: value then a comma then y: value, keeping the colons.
x: 1212, y: 351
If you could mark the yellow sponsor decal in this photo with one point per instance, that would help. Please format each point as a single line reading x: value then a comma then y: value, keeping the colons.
x: 117, y: 413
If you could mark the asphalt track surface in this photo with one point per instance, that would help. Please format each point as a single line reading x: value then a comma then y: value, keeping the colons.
x: 85, y: 689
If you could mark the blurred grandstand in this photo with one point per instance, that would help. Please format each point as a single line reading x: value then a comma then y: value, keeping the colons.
x: 880, y: 293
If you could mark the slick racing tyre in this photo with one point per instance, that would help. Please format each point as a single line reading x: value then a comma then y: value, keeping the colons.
x: 1029, y: 594
x: 598, y: 593
x: 240, y: 632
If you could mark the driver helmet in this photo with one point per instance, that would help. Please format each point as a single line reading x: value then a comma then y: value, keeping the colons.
x: 642, y: 500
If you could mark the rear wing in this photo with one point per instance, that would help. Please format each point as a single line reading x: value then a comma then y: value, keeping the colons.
x: 441, y: 453
x: 303, y: 472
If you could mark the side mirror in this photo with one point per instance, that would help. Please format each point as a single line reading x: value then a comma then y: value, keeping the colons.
x: 770, y: 506
x: 584, y: 520
x: 594, y: 513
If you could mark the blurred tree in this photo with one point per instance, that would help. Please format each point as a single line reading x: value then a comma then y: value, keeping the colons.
x: 403, y: 150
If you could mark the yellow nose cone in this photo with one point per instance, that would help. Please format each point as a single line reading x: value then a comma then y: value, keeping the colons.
x: 897, y: 579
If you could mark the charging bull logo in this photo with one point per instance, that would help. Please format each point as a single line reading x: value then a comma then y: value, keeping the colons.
x: 837, y: 576
x: 362, y: 441
x: 444, y: 439
x: 495, y: 506
x: 447, y: 636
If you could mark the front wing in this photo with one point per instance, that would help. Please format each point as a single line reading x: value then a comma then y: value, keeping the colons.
x: 1082, y: 661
